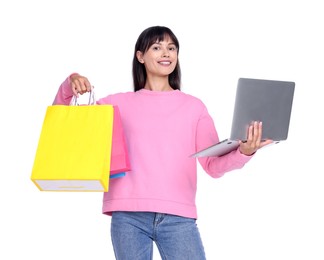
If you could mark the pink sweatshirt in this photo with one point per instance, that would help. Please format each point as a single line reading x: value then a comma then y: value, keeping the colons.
x: 162, y: 130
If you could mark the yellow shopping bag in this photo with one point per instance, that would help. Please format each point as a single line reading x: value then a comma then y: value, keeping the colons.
x: 74, y: 149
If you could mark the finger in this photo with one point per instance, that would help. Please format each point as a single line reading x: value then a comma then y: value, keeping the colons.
x: 266, y: 142
x: 250, y: 133
x: 258, y: 133
x: 81, y: 86
x: 87, y: 85
x: 74, y: 89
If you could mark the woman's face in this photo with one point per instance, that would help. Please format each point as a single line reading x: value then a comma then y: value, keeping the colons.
x: 160, y: 59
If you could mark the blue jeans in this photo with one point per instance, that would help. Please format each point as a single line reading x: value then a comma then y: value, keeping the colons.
x: 176, y: 238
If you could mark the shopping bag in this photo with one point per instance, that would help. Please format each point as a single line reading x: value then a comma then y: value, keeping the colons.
x: 120, y: 163
x: 74, y: 148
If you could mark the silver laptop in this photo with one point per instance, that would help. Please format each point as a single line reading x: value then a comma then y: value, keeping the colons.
x: 269, y: 101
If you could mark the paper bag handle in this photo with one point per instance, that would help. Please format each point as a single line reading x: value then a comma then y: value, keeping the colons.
x: 92, y: 99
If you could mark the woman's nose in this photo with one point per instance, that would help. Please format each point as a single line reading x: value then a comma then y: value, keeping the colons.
x: 165, y: 53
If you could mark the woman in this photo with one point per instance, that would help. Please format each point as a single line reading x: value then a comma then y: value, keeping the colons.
x: 155, y: 201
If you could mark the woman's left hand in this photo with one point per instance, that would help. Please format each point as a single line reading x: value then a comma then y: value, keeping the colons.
x: 254, y: 141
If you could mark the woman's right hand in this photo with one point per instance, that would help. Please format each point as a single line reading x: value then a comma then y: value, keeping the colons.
x: 79, y: 84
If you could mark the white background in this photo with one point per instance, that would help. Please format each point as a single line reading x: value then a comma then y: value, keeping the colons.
x: 270, y: 209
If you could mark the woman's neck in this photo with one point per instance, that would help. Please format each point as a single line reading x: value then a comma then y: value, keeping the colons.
x: 158, y: 84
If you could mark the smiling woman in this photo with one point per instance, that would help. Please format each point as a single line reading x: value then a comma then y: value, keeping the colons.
x: 270, y: 209
x: 157, y: 50
x: 159, y: 60
x: 157, y: 117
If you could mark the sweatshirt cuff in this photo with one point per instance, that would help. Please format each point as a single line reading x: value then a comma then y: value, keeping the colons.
x: 243, y: 157
x: 64, y: 94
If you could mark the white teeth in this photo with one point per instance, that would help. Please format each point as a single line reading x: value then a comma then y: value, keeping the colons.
x: 165, y: 62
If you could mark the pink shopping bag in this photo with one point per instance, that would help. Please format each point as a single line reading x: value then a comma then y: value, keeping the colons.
x: 119, y: 163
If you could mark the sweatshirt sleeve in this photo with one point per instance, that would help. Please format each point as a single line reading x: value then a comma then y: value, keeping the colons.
x: 64, y: 93
x: 207, y: 136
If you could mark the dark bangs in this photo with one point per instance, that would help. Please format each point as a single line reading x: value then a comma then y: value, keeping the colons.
x: 153, y: 35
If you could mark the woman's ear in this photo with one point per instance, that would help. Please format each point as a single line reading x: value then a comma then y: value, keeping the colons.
x: 139, y: 56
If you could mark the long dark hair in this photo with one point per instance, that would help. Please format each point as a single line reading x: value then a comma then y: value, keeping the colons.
x: 146, y: 39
